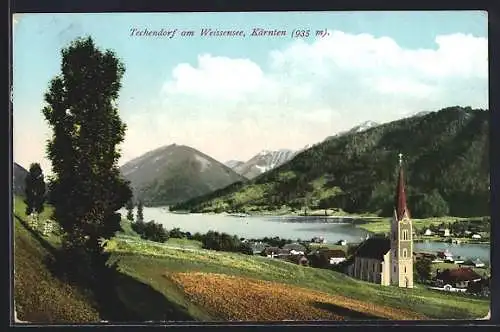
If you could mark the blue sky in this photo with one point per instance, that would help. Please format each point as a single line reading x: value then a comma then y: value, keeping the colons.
x: 231, y: 97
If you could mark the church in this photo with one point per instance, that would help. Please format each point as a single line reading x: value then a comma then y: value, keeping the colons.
x: 388, y: 261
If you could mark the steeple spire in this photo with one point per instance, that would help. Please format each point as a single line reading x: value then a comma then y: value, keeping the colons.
x: 401, y: 207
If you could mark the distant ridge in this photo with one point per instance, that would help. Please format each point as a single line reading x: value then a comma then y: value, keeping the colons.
x: 262, y: 162
x: 174, y: 173
x: 447, y: 161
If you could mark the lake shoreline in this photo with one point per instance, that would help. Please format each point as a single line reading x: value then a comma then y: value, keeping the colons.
x: 317, y: 214
x: 359, y: 221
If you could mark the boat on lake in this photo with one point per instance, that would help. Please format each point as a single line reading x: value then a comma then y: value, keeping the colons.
x: 240, y: 215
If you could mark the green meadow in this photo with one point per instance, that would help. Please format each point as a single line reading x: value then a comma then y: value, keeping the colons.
x: 146, y: 292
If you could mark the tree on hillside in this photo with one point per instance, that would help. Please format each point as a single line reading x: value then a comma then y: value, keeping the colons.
x: 140, y: 212
x: 35, y: 191
x: 382, y: 199
x: 423, y: 268
x: 87, y: 188
x: 428, y: 205
x: 130, y: 210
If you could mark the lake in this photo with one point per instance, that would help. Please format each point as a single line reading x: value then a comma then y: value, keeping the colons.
x: 291, y: 227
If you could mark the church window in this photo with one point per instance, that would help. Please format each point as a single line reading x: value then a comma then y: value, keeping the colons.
x: 405, y: 234
x: 405, y: 253
x: 405, y: 269
x: 394, y: 268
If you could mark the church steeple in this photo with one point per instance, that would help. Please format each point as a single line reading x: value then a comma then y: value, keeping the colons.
x: 402, y: 236
x: 400, y: 199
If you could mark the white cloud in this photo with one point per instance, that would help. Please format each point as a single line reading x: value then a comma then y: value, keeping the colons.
x: 215, y: 77
x: 457, y: 56
x: 390, y: 85
x: 231, y: 108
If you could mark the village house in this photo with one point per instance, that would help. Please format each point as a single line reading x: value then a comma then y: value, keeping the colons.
x: 444, y: 232
x: 325, y: 257
x: 336, y: 256
x: 388, y: 261
x: 428, y: 232
x: 476, y: 263
x: 275, y: 252
x: 318, y: 239
x: 446, y: 256
x: 331, y: 256
x: 295, y: 248
x: 342, y: 242
x: 476, y: 237
x: 458, y: 278
x: 258, y: 247
x: 298, y: 259
x: 458, y: 260
x: 424, y: 255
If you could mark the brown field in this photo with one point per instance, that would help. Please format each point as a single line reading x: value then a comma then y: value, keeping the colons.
x: 242, y: 299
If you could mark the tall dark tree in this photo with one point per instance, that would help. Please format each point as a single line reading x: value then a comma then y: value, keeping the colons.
x: 140, y: 212
x: 35, y: 190
x: 87, y: 188
x: 130, y: 210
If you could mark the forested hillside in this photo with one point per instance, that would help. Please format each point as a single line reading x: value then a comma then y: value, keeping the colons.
x: 446, y: 160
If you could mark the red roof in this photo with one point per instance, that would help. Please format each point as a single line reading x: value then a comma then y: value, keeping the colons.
x: 459, y: 274
x: 401, y: 207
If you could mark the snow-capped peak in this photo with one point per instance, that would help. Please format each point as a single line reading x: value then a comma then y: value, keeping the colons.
x: 264, y: 161
x: 365, y: 125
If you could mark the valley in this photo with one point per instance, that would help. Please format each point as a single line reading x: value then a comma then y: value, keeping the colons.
x: 155, y: 282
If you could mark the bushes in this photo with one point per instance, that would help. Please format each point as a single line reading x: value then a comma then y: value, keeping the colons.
x: 221, y: 242
x: 151, y: 231
x: 274, y: 241
x: 176, y: 233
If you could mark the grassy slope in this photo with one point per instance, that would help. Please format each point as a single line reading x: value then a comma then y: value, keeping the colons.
x: 144, y: 286
x: 151, y: 263
x: 39, y: 296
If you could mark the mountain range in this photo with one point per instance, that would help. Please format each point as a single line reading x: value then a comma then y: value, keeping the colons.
x: 446, y: 163
x: 175, y: 173
x: 262, y: 162
x: 356, y: 129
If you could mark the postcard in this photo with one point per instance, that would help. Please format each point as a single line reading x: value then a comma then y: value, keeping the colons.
x: 250, y: 166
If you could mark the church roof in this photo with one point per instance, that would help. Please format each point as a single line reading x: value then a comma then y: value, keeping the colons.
x: 375, y: 247
x: 400, y: 199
